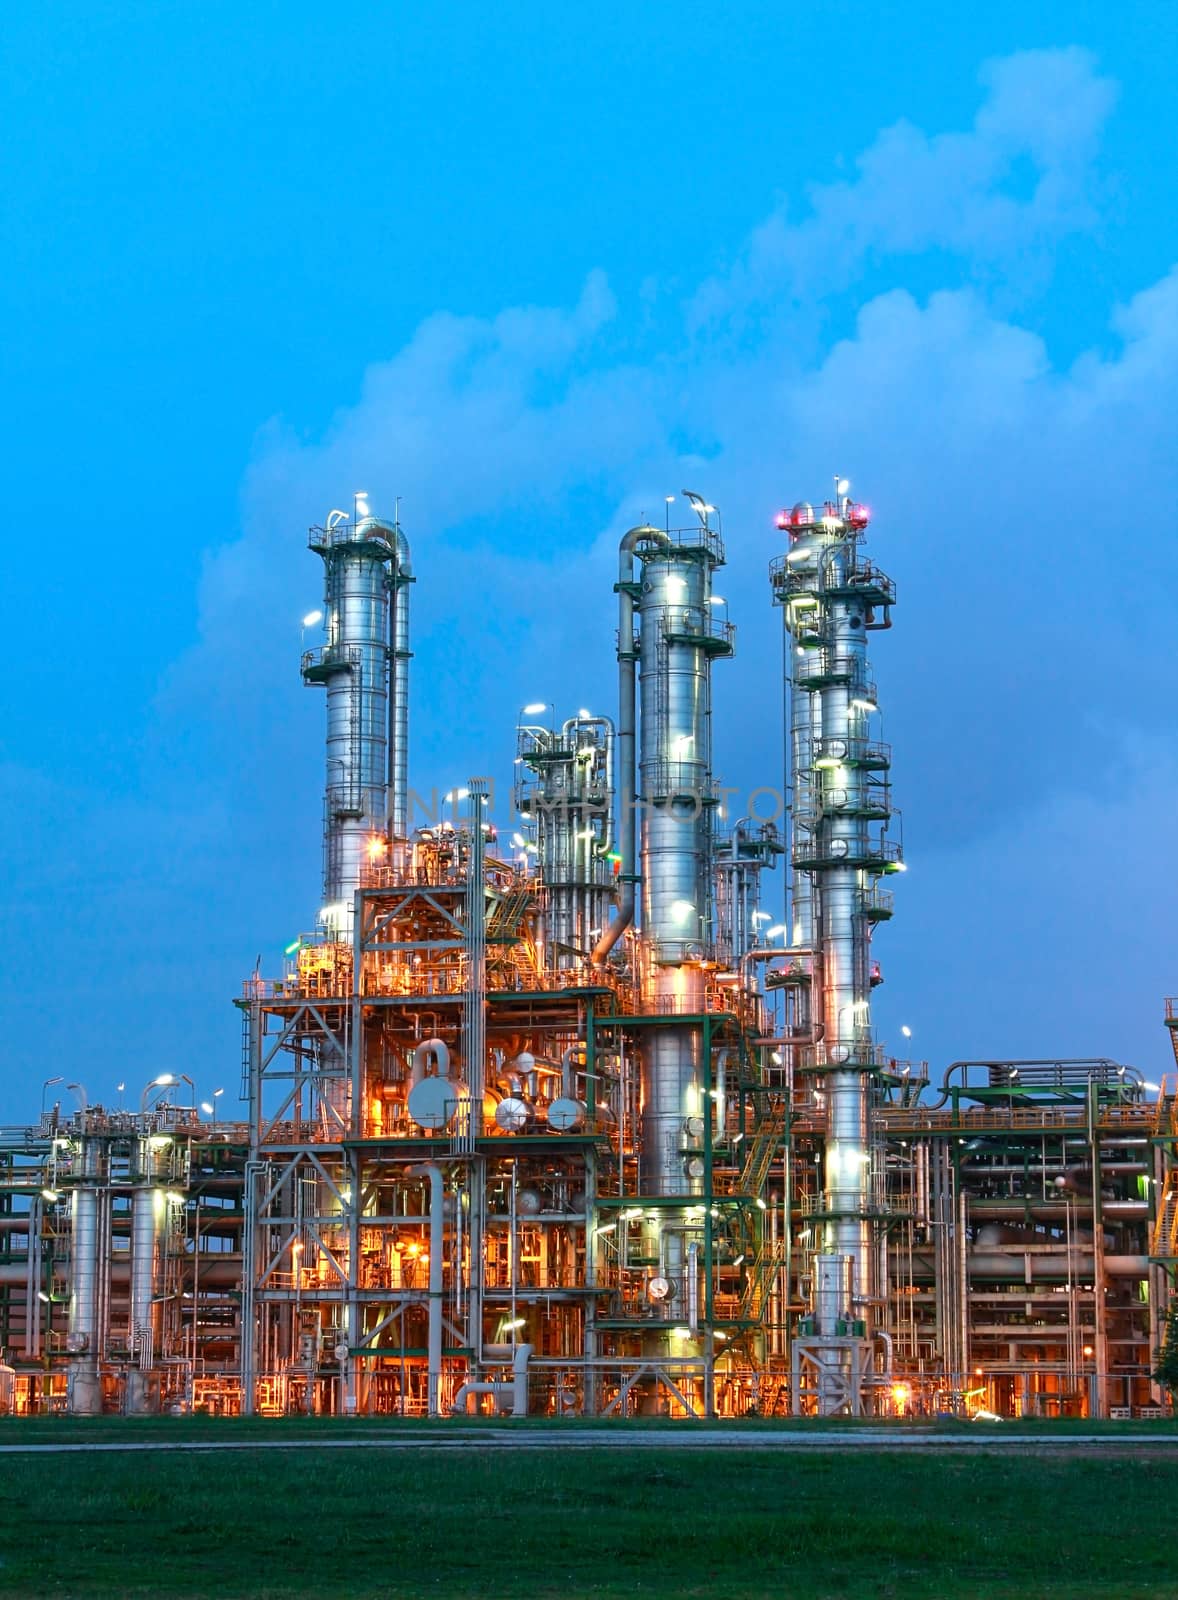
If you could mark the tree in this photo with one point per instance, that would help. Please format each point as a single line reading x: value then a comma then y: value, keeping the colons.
x: 1166, y: 1371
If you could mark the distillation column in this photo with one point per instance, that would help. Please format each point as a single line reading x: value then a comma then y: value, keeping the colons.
x: 564, y: 787
x: 364, y: 666
x: 839, y: 810
x: 677, y: 634
x: 678, y: 638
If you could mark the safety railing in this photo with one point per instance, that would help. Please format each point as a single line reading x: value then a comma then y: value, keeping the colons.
x: 684, y: 625
x: 685, y: 779
x: 812, y: 851
x: 329, y: 658
x: 826, y: 666
x: 867, y: 579
x: 697, y: 538
x: 878, y: 904
x: 849, y: 752
x: 365, y: 531
x: 915, y: 1117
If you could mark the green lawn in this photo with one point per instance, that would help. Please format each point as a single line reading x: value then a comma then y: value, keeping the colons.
x: 608, y: 1522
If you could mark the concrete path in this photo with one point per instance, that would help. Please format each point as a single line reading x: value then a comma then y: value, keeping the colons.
x: 991, y: 1440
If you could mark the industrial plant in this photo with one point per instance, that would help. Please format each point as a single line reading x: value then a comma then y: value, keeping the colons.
x: 556, y: 1119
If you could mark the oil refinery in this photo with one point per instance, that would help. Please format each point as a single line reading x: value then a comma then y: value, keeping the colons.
x: 555, y: 1119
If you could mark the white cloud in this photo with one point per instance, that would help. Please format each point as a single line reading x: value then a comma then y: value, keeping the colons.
x: 955, y: 192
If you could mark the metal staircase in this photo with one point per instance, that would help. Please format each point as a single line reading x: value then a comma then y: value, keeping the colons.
x: 1164, y: 1244
x: 507, y: 915
x: 762, y: 1148
x: 1165, y: 1122
x: 759, y: 1283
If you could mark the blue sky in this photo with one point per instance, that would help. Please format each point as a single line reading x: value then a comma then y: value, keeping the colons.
x: 532, y: 274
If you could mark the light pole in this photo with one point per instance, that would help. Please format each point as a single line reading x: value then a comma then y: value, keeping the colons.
x: 209, y: 1107
x: 48, y: 1084
x: 162, y: 1082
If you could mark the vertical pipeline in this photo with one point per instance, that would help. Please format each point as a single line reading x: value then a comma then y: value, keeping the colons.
x: 627, y: 792
x: 401, y: 578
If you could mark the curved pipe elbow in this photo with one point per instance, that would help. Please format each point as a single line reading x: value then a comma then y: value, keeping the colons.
x: 616, y: 928
x: 404, y: 561
x: 429, y: 1047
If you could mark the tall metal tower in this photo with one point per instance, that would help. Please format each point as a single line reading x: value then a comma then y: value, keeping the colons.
x: 840, y: 807
x: 671, y: 785
x: 364, y: 666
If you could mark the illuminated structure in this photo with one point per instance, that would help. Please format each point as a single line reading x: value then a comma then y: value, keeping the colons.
x: 840, y: 807
x: 558, y: 1119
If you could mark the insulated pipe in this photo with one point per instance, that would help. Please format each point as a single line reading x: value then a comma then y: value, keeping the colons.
x: 1051, y: 1267
x: 499, y: 1390
x: 402, y: 577
x: 627, y: 796
x: 568, y: 1071
x: 693, y: 1287
x: 430, y: 1170
x: 429, y: 1047
x: 147, y: 1207
x: 721, y: 1101
x: 85, y: 1392
x: 519, y: 1380
x: 516, y: 1391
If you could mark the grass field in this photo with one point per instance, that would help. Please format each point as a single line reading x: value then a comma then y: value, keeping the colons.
x: 608, y: 1522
